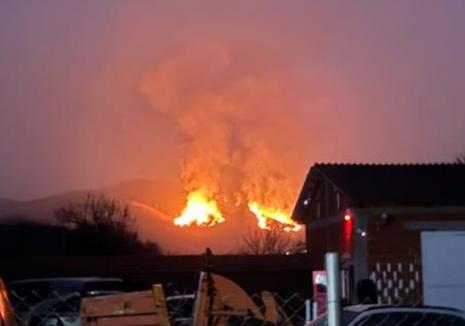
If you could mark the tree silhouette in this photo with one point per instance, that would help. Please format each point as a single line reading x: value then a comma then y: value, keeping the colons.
x: 460, y: 159
x: 272, y: 241
x: 102, y: 226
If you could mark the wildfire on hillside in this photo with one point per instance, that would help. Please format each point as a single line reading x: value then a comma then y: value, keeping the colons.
x: 268, y: 215
x: 203, y: 211
x: 200, y: 210
x: 233, y: 115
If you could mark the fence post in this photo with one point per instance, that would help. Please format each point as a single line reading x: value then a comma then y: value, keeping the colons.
x: 314, y: 310
x: 333, y: 289
x: 308, y: 311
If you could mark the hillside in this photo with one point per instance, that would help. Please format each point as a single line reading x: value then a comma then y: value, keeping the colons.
x: 154, y: 203
x: 37, y: 210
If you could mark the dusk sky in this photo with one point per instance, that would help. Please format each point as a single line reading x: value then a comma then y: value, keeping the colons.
x: 382, y: 81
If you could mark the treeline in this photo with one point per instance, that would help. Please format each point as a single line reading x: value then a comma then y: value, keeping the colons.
x: 95, y: 226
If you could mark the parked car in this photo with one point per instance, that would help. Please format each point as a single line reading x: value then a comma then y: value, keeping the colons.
x: 25, y: 295
x: 58, y: 311
x: 389, y: 315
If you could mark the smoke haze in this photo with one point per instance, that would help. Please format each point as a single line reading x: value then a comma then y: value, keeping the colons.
x: 95, y: 93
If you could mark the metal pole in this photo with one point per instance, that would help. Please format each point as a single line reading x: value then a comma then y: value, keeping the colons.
x: 333, y: 289
x: 308, y: 311
x: 315, y: 310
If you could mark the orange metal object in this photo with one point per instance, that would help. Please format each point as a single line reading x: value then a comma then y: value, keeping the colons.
x: 219, y: 299
x: 126, y: 309
x: 6, y: 312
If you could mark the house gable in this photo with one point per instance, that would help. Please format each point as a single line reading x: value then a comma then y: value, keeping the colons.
x: 370, y: 186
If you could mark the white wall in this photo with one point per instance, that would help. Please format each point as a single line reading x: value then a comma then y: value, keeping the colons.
x: 443, y: 260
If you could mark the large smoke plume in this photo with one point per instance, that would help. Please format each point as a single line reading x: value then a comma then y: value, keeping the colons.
x: 237, y: 114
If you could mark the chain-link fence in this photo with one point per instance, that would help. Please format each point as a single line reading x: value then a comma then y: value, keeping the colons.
x: 34, y: 309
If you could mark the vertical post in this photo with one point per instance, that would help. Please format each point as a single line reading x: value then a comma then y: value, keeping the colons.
x: 333, y: 289
x: 210, y: 287
x: 314, y: 310
x: 308, y: 311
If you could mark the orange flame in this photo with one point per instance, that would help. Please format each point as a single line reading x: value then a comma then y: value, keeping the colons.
x: 200, y: 210
x: 234, y: 119
x: 267, y: 215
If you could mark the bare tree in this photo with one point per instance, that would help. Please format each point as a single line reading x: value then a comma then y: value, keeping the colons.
x: 269, y: 241
x: 99, y: 212
x: 102, y: 226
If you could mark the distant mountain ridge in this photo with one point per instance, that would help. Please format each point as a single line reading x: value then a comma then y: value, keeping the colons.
x: 37, y: 210
x: 158, y: 203
x: 42, y: 209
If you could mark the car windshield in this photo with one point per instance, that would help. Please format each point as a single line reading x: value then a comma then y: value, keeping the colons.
x: 27, y: 295
x: 71, y: 304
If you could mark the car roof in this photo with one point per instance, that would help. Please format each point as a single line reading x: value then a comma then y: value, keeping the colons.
x: 180, y: 297
x: 351, y: 313
x: 368, y: 307
x: 65, y: 279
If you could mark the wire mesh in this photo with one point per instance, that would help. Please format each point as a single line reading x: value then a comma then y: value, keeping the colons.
x: 34, y: 309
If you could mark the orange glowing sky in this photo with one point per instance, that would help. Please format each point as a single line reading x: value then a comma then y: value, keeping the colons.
x: 375, y: 82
